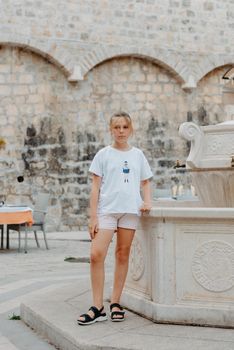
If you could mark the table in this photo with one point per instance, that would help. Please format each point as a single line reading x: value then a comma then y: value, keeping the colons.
x: 15, y: 214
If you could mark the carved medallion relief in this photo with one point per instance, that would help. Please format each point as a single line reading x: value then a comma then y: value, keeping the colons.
x: 137, y: 263
x: 213, y: 266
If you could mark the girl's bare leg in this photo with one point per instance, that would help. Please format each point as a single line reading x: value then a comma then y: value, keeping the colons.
x: 123, y: 246
x: 99, y: 248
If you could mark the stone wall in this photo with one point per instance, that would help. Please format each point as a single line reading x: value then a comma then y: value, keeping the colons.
x: 191, y: 37
x: 65, y: 68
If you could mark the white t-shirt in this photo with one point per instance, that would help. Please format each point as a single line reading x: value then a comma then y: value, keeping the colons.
x: 121, y: 173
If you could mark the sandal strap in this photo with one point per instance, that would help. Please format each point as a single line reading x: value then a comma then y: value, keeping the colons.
x: 116, y: 305
x: 96, y: 312
x: 87, y: 318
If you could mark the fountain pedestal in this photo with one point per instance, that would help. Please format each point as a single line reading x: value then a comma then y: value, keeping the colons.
x: 182, y: 267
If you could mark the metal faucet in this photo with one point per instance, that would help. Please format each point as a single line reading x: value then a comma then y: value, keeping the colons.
x: 232, y: 161
x: 178, y: 164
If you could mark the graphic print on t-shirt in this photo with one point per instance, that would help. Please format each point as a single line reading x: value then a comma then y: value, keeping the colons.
x: 126, y: 171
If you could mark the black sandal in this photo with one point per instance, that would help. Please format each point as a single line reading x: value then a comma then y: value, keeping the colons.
x: 119, y: 314
x: 99, y: 316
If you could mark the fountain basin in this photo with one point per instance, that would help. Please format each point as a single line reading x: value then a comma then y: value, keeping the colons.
x: 214, y: 187
x: 211, y: 162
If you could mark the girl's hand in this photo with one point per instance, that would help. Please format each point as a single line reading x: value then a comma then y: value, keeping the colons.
x: 145, y: 208
x: 93, y: 227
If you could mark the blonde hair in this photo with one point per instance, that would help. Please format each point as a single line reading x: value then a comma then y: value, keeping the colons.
x: 124, y: 115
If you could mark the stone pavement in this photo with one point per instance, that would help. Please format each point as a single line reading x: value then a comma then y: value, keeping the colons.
x: 23, y: 275
x: 53, y: 292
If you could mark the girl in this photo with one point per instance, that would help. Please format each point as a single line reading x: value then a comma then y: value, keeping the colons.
x: 119, y: 172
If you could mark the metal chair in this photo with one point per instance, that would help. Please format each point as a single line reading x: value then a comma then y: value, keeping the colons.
x: 2, y: 235
x: 39, y: 214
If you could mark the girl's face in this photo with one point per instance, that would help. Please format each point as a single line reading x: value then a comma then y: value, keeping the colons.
x: 121, y: 129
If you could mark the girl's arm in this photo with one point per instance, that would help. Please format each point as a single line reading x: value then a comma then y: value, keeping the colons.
x: 95, y: 188
x: 146, y: 192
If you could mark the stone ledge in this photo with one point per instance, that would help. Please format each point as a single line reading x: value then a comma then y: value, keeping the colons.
x: 54, y: 315
x: 182, y: 212
x: 182, y: 314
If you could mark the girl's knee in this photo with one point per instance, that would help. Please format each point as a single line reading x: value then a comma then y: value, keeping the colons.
x: 97, y: 256
x: 122, y: 254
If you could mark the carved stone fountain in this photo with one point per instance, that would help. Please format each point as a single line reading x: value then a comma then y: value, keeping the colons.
x: 211, y: 161
x: 182, y: 259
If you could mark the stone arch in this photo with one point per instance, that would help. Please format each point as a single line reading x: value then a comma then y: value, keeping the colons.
x: 49, y: 51
x: 208, y: 64
x: 171, y: 61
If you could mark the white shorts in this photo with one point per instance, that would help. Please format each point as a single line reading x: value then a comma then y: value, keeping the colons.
x: 113, y: 221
